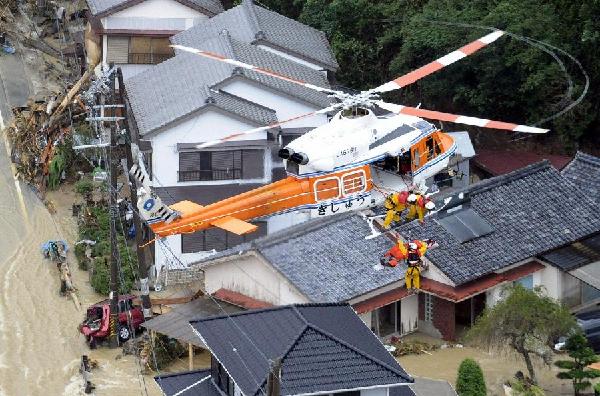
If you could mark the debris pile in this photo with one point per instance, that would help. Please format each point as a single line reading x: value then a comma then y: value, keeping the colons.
x: 412, y: 347
x: 36, y: 132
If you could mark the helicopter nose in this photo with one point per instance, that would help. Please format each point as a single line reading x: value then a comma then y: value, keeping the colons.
x: 285, y: 153
x: 299, y: 158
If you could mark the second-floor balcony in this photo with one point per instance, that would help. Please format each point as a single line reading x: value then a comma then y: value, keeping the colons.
x: 147, y: 58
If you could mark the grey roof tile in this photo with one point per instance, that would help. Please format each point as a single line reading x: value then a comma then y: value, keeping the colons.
x: 106, y: 7
x: 173, y: 384
x: 182, y: 85
x: 584, y: 170
x: 322, y: 347
x: 250, y: 23
x: 328, y: 260
x: 574, y: 256
x: 532, y: 210
x: 175, y: 323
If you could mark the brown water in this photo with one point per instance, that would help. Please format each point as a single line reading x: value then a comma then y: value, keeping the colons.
x: 40, y: 346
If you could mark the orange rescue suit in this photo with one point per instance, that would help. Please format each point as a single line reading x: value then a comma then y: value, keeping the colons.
x: 402, y: 251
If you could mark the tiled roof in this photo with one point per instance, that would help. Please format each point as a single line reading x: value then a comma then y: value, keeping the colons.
x: 576, y: 255
x: 250, y: 23
x: 182, y: 85
x: 500, y: 162
x: 531, y: 211
x: 240, y: 300
x: 195, y: 382
x: 323, y: 348
x: 175, y: 323
x: 107, y: 7
x: 328, y: 260
x: 584, y: 171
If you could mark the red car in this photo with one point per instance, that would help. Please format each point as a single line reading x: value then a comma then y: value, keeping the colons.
x: 95, y: 326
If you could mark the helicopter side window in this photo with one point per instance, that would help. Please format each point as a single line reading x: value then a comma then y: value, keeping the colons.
x: 430, y: 145
x: 416, y: 158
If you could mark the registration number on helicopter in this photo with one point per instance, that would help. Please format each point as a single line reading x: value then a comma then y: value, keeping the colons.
x: 347, y: 151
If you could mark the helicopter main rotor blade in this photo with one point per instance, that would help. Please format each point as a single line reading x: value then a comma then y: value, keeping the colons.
x: 266, y: 127
x: 458, y: 119
x: 438, y: 64
x: 266, y: 72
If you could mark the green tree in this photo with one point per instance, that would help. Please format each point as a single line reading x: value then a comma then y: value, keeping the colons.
x: 576, y: 370
x: 525, y: 320
x: 470, y: 381
x: 522, y: 388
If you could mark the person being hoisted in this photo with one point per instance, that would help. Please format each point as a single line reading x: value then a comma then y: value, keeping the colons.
x: 412, y: 253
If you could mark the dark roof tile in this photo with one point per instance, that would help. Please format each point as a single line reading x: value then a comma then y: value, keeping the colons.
x: 322, y: 347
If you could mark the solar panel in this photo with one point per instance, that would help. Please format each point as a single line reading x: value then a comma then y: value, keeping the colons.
x: 465, y: 225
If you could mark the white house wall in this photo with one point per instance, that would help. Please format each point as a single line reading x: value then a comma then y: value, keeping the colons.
x: 285, y: 106
x: 550, y: 278
x: 208, y: 125
x: 159, y: 9
x: 374, y: 392
x: 250, y: 276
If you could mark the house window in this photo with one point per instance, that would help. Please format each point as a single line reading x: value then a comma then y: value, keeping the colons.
x: 221, y: 165
x: 526, y: 282
x: 218, y: 239
x: 428, y: 306
x: 138, y: 50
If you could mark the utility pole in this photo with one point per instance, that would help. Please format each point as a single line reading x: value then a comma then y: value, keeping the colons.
x: 113, y: 210
x: 139, y: 239
x: 274, y: 379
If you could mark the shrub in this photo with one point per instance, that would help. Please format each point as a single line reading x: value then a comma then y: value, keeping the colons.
x: 470, y: 380
x: 597, y: 389
x: 524, y: 388
x: 84, y: 186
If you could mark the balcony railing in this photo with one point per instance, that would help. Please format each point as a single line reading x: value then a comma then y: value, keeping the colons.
x: 208, y: 175
x: 148, y: 58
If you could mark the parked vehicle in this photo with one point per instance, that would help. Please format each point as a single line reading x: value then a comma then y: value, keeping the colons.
x: 95, y: 327
x: 589, y: 322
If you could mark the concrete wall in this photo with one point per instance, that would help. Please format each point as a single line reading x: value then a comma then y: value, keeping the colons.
x: 285, y: 106
x: 374, y: 392
x: 207, y: 125
x: 159, y: 9
x: 251, y: 276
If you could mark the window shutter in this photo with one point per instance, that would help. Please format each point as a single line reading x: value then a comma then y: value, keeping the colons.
x: 215, y: 239
x: 192, y: 243
x: 188, y: 161
x: 253, y: 163
x: 117, y: 49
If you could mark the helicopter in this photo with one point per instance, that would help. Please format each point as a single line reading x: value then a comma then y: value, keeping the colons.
x: 330, y: 168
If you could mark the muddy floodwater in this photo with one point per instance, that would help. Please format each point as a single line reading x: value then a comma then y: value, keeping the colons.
x: 39, y: 347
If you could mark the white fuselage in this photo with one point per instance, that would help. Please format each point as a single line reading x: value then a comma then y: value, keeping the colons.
x: 347, y: 142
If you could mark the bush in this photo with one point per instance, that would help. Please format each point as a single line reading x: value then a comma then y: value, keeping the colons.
x: 84, y: 186
x: 597, y: 389
x: 470, y: 380
x: 524, y: 388
x: 82, y: 260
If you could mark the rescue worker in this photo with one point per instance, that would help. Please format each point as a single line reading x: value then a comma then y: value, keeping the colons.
x: 395, y: 204
x: 411, y: 252
x: 419, y: 206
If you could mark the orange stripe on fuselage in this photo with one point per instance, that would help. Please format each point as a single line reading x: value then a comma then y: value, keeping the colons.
x: 263, y: 201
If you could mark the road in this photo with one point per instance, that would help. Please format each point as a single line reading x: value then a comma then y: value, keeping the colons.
x: 39, y: 346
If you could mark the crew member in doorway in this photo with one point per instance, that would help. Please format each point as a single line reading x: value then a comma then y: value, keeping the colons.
x: 419, y: 205
x: 395, y: 204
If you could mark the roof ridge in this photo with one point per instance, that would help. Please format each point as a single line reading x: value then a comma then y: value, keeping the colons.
x: 488, y: 184
x: 248, y: 6
x: 276, y: 308
x: 239, y: 98
x: 362, y: 353
x: 585, y: 157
